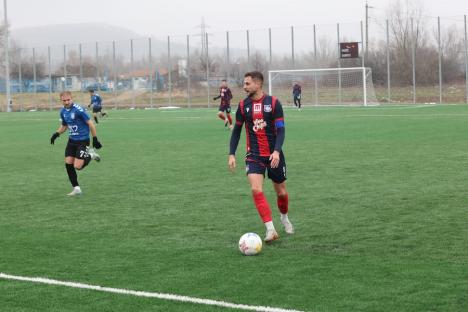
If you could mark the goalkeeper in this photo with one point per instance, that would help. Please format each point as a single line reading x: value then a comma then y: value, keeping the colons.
x: 297, y: 91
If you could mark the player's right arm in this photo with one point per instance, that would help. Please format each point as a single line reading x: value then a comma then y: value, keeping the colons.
x: 235, y: 137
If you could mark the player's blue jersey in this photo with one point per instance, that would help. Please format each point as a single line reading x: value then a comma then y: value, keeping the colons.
x: 76, y: 119
x: 96, y: 100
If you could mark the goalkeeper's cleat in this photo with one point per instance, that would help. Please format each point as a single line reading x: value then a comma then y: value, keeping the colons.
x: 94, y: 156
x: 76, y: 191
x: 288, y: 227
x: 270, y: 236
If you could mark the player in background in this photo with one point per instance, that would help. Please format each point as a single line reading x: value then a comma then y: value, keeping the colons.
x: 77, y: 153
x: 264, y: 122
x: 96, y: 103
x: 225, y: 95
x: 297, y: 92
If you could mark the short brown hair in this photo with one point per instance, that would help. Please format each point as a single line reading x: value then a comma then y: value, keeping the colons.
x: 65, y: 93
x: 256, y: 75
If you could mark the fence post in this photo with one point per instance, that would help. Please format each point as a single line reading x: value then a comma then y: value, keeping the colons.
x: 132, y: 68
x: 169, y: 69
x: 315, y: 65
x: 440, y: 59
x: 269, y: 44
x: 150, y: 58
x: 65, y: 88
x: 207, y: 70
x: 98, y: 80
x: 388, y: 63
x: 50, y: 77
x: 114, y: 70
x: 466, y: 62
x: 292, y: 48
x: 413, y: 60
x: 34, y: 76
x: 339, y: 62
x: 189, y: 102
x: 248, y: 48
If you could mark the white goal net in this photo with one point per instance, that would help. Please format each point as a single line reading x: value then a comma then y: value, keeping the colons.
x: 325, y: 86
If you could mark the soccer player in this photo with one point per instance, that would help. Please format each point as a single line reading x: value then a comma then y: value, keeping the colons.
x: 297, y: 91
x: 77, y: 153
x: 265, y: 132
x: 96, y: 102
x: 225, y: 95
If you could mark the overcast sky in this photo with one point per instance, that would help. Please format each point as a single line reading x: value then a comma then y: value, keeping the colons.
x: 177, y: 17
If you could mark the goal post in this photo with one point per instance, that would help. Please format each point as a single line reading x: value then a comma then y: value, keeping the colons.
x: 325, y: 86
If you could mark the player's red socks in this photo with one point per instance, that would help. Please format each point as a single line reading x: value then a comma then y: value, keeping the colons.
x: 221, y: 116
x: 230, y: 119
x: 283, y: 202
x: 262, y: 206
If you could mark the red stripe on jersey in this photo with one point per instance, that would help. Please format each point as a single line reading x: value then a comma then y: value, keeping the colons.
x: 273, y: 104
x: 247, y: 138
x: 260, y: 134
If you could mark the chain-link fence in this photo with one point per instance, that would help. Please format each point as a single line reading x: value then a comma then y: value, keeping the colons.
x: 413, y: 60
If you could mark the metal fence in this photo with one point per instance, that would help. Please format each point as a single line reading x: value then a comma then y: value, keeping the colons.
x: 413, y: 61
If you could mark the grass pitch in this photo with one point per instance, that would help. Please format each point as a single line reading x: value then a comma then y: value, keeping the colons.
x: 378, y: 197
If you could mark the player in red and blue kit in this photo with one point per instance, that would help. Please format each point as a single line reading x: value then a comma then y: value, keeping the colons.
x: 77, y: 153
x: 225, y: 95
x: 264, y: 125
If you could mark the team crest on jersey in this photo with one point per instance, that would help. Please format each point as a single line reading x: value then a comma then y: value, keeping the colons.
x: 267, y: 108
x: 257, y: 108
x: 72, y: 115
x: 259, y: 124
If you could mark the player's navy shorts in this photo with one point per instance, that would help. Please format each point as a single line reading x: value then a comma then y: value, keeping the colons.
x: 225, y: 107
x: 97, y: 109
x: 260, y: 164
x: 76, y: 148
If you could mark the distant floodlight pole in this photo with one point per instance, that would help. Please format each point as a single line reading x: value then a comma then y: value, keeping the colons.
x: 7, y: 58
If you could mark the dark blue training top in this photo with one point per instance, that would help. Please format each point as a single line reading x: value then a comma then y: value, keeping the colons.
x: 96, y: 100
x: 76, y: 119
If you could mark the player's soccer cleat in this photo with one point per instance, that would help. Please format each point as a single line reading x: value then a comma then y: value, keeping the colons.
x: 95, y: 156
x: 288, y: 227
x: 231, y: 127
x: 226, y: 123
x: 270, y: 236
x: 76, y: 191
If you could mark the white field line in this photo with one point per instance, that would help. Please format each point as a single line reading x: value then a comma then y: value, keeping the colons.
x: 408, y: 115
x: 163, y: 296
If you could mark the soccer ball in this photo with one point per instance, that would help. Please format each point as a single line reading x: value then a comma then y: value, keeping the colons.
x: 250, y: 244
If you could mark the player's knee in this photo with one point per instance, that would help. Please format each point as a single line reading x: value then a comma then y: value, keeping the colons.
x: 282, y: 194
x: 78, y: 167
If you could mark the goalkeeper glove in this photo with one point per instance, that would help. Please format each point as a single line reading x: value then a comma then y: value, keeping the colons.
x: 96, y: 143
x: 54, y: 137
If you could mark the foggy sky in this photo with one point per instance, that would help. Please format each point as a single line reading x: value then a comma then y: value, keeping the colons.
x: 178, y: 17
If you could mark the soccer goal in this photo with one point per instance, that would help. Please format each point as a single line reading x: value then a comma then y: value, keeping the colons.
x: 325, y: 86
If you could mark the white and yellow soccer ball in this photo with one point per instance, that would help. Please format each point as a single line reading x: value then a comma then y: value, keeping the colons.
x: 250, y: 244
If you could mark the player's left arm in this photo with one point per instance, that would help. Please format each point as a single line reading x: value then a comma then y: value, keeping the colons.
x: 278, y: 117
x: 92, y: 129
